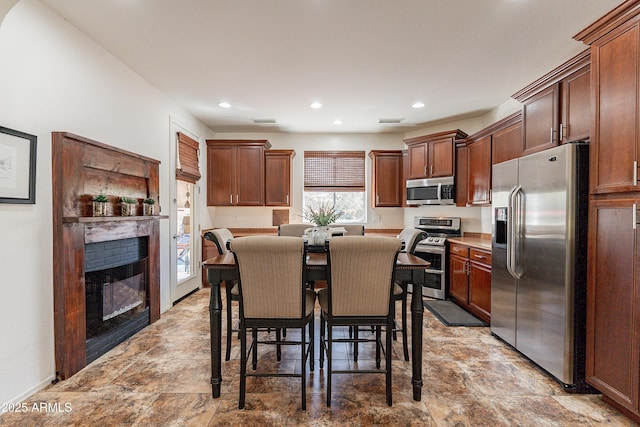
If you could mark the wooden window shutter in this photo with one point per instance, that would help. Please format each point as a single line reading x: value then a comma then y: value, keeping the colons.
x: 188, y: 151
x: 334, y: 171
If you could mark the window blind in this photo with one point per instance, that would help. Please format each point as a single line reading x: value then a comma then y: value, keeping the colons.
x: 334, y: 171
x: 187, y: 162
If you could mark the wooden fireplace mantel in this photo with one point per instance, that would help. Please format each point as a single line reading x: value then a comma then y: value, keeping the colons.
x: 81, y: 169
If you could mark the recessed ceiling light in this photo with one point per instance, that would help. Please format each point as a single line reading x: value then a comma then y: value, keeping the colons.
x: 315, y: 105
x: 337, y: 122
x: 418, y: 105
x: 224, y: 105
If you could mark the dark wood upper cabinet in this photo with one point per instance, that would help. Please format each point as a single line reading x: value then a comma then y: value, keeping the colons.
x: 433, y: 155
x: 615, y: 142
x: 496, y: 143
x: 235, y: 172
x: 576, y: 106
x: 461, y: 175
x: 387, y: 183
x: 555, y: 107
x: 507, y: 142
x: 277, y: 177
x: 540, y: 118
x: 479, y: 171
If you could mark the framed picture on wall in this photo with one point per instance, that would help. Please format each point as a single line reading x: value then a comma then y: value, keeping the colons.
x: 17, y: 166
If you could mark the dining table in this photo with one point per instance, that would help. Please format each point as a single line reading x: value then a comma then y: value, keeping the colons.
x: 409, y: 268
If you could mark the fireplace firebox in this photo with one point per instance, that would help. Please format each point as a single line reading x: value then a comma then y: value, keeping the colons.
x: 115, y: 293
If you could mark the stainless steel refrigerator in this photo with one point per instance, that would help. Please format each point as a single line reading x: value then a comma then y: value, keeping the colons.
x: 539, y: 249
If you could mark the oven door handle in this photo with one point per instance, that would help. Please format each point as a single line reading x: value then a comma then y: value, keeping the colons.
x: 425, y: 249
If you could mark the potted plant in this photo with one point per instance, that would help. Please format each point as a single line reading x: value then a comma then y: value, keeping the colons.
x: 99, y: 205
x: 322, y: 217
x: 148, y: 204
x: 128, y: 206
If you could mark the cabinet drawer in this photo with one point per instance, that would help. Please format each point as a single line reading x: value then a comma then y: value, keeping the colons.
x: 480, y: 256
x: 460, y: 250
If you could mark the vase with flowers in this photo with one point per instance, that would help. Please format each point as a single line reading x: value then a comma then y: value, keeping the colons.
x: 323, y: 216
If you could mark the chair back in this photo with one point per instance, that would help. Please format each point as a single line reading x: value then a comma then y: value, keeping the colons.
x: 410, y: 238
x: 353, y: 229
x: 361, y: 273
x: 293, y: 230
x: 221, y: 237
x: 271, y: 276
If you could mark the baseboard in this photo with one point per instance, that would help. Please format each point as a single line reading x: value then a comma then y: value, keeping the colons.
x: 33, y: 390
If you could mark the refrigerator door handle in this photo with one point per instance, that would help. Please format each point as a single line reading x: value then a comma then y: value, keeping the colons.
x: 514, y: 211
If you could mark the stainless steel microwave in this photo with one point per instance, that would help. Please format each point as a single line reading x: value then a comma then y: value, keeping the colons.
x: 431, y: 191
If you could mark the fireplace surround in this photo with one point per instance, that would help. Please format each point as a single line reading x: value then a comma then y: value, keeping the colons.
x: 81, y: 169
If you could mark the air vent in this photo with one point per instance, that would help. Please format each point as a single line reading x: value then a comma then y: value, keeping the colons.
x: 264, y: 121
x: 389, y: 121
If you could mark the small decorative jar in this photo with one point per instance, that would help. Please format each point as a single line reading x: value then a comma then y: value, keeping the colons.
x: 99, y: 208
x: 148, y: 207
x: 128, y: 206
x: 99, y: 205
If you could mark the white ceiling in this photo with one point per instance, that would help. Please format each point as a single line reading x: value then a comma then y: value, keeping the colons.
x: 364, y: 60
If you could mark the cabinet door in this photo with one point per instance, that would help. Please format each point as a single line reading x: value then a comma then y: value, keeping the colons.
x: 540, y: 120
x: 418, y: 161
x: 441, y: 156
x: 405, y: 176
x: 387, y: 180
x: 220, y: 176
x: 249, y: 176
x: 480, y: 290
x: 277, y: 184
x: 614, y: 144
x: 507, y: 144
x: 479, y: 172
x: 461, y: 176
x: 458, y: 279
x: 613, y: 301
x: 576, y: 106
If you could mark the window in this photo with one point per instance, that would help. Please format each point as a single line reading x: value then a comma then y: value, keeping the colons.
x: 336, y: 178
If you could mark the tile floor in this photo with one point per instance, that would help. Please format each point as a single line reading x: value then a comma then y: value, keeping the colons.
x: 160, y: 377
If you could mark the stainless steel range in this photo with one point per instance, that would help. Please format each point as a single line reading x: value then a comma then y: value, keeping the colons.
x: 434, y: 249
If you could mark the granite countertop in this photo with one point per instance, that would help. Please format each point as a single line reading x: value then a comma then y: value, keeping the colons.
x: 474, y: 242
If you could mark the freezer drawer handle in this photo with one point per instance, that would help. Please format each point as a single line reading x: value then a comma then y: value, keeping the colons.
x: 634, y: 216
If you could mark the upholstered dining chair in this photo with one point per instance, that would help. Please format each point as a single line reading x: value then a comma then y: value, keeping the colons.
x: 293, y: 230
x: 359, y: 292
x: 221, y: 236
x: 409, y: 238
x: 354, y: 229
x: 272, y: 295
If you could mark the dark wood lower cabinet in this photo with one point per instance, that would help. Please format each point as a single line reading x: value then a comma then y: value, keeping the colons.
x: 613, y: 302
x: 470, y: 279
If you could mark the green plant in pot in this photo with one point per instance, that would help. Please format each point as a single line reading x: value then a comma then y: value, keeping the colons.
x: 128, y: 206
x: 99, y: 205
x: 323, y: 216
x: 148, y: 204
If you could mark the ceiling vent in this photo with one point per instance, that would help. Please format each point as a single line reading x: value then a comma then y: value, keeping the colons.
x: 389, y: 121
x: 264, y: 121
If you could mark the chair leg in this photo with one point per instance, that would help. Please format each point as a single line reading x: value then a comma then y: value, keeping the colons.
x: 329, y: 358
x: 278, y: 346
x: 254, y: 357
x: 388, y: 363
x: 311, y: 343
x: 405, y: 345
x: 243, y: 367
x: 303, y: 368
x: 355, y: 343
x: 322, y: 340
x: 378, y: 344
x: 229, y: 322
